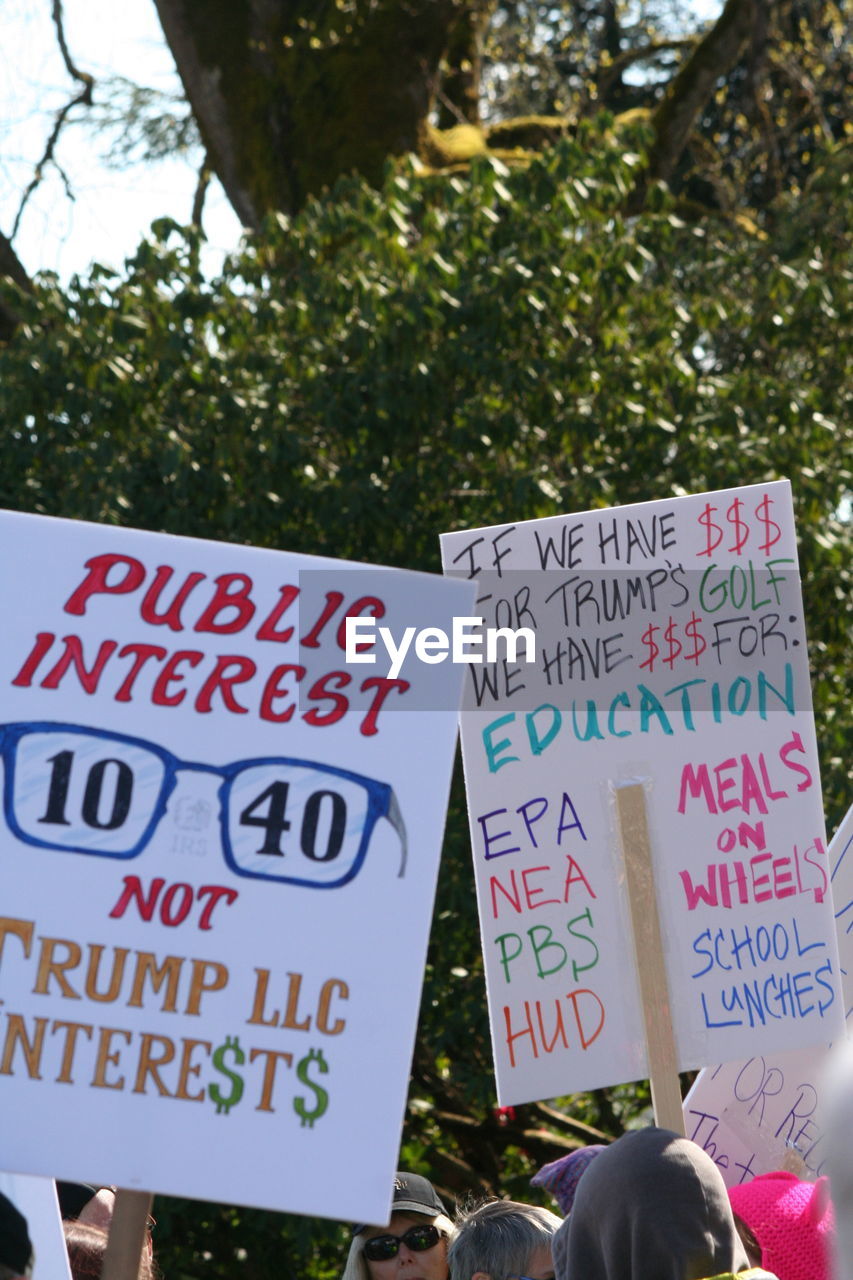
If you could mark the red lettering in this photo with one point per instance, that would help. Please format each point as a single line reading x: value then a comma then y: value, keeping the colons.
x: 696, y: 782
x: 586, y: 1039
x: 795, y: 743
x: 224, y: 600
x: 267, y: 631
x: 574, y: 874
x: 133, y: 892
x: 383, y: 686
x: 320, y: 693
x: 513, y: 897
x: 725, y: 784
x: 751, y: 792
x: 143, y: 652
x: 217, y: 893
x: 160, y: 695
x: 535, y: 892
x: 334, y: 600
x: 44, y: 640
x: 183, y: 909
x: 218, y: 679
x: 273, y: 690
x: 172, y: 616
x: 73, y: 655
x: 367, y: 606
x: 95, y: 581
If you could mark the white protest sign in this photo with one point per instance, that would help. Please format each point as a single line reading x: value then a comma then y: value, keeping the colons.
x: 36, y: 1199
x: 669, y: 648
x: 218, y: 859
x: 750, y: 1116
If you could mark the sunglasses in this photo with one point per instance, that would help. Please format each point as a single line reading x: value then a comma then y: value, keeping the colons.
x: 418, y: 1239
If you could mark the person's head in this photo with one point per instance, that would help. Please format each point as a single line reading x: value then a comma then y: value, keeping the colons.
x: 561, y: 1177
x: 791, y: 1220
x: 413, y: 1246
x: 87, y: 1248
x: 16, y: 1252
x: 502, y: 1240
x: 653, y: 1206
x: 83, y: 1202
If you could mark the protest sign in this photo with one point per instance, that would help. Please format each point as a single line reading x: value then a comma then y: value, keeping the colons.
x: 752, y: 1116
x: 662, y: 643
x: 218, y: 859
x: 36, y: 1199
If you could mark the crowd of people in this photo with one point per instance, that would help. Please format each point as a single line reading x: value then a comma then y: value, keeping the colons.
x: 652, y: 1205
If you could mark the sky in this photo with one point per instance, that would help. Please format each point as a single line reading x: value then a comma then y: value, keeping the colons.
x: 112, y: 209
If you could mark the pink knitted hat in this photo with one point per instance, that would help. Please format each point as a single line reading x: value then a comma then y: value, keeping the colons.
x: 792, y: 1221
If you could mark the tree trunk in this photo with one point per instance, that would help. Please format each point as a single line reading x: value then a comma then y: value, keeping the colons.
x: 11, y: 268
x: 289, y: 94
x: 691, y: 89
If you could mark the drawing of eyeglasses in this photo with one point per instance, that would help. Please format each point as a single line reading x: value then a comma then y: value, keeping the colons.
x: 83, y: 790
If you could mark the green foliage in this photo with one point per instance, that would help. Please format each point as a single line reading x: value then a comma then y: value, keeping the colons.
x: 447, y: 353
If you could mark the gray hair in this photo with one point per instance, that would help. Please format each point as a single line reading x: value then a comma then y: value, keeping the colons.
x: 356, y: 1266
x: 499, y: 1237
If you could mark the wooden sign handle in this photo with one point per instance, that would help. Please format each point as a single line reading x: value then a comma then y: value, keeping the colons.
x: 648, y: 952
x: 126, y: 1238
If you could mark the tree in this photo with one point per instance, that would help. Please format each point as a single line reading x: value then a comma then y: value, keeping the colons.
x: 434, y: 354
x: 535, y: 328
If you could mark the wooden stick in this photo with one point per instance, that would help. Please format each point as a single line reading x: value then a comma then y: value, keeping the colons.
x: 648, y: 951
x: 126, y: 1239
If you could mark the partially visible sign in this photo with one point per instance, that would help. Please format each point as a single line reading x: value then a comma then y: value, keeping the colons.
x: 663, y: 642
x: 36, y: 1199
x: 754, y: 1116
x: 218, y: 855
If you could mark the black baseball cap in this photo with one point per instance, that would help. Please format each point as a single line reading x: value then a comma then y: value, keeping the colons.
x: 16, y: 1251
x: 412, y: 1194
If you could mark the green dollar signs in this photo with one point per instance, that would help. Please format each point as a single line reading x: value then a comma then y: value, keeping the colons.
x: 225, y: 1103
x: 321, y: 1097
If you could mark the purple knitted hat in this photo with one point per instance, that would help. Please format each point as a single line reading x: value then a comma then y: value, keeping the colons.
x: 561, y: 1177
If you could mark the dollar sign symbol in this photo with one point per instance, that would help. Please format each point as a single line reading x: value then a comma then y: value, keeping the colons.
x: 700, y: 644
x: 321, y: 1098
x: 653, y: 648
x: 224, y: 1104
x: 709, y: 524
x: 675, y: 646
x: 763, y: 513
x: 741, y: 528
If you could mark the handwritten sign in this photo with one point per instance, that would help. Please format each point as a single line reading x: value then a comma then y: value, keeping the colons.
x: 668, y: 646
x: 218, y: 855
x: 753, y: 1116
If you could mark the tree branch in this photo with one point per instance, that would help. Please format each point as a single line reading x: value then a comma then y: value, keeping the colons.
x: 83, y: 98
x: 673, y: 120
x: 607, y: 76
x: 205, y: 173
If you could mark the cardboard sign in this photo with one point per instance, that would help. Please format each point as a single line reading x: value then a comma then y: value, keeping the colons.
x: 668, y: 646
x: 218, y: 858
x: 36, y: 1199
x: 754, y: 1116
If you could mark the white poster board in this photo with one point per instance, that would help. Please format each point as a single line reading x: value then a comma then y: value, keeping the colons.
x: 669, y: 648
x: 36, y: 1199
x: 217, y: 865
x: 752, y: 1116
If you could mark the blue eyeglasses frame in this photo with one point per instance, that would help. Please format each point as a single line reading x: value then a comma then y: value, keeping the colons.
x: 381, y: 800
